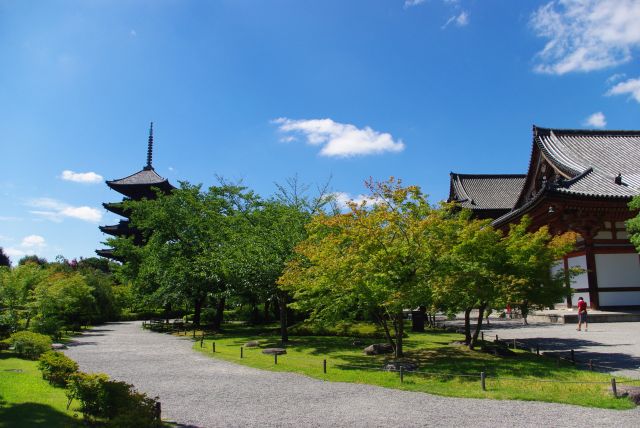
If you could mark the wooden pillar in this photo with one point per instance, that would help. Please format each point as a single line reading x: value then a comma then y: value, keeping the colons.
x: 592, y: 275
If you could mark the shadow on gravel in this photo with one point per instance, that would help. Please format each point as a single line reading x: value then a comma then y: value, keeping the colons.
x: 74, y: 343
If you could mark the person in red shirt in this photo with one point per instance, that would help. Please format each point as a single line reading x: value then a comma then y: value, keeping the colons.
x: 582, y: 314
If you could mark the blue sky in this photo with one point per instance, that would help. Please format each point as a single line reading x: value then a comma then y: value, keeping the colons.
x: 263, y: 90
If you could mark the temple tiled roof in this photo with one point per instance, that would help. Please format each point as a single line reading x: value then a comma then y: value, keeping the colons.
x: 593, y: 164
x: 486, y: 191
x: 591, y: 160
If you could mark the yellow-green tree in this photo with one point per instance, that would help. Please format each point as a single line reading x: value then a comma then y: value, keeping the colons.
x: 371, y: 259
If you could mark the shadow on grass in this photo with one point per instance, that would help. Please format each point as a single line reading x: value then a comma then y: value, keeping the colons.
x: 34, y: 415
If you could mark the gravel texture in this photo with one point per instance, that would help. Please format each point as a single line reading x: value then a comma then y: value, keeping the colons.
x: 196, y: 390
x: 615, y: 345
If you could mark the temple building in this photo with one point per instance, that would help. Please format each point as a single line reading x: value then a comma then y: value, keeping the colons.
x: 581, y: 181
x: 135, y: 187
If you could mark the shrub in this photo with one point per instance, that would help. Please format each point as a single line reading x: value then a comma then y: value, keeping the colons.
x: 30, y: 345
x: 4, y: 345
x: 87, y: 389
x: 57, y: 367
x: 117, y: 402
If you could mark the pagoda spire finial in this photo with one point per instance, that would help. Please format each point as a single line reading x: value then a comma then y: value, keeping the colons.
x: 150, y: 148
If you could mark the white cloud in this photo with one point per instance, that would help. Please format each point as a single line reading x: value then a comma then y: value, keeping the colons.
x: 630, y: 87
x: 615, y: 78
x: 55, y: 210
x: 81, y: 177
x: 343, y: 199
x: 13, y: 252
x: 133, y: 33
x: 460, y: 20
x: 596, y: 120
x: 586, y: 35
x: 341, y: 139
x: 9, y: 218
x: 410, y: 3
x: 33, y: 241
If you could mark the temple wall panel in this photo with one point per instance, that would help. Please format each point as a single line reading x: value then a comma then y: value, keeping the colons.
x: 619, y: 298
x: 618, y: 270
x: 576, y: 296
x: 580, y: 281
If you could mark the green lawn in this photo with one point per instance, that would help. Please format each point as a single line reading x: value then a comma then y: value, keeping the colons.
x: 523, y: 376
x: 26, y: 400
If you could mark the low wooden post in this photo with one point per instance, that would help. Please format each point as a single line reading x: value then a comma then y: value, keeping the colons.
x: 483, y: 378
x: 324, y: 366
x: 537, y: 349
x: 590, y: 364
x: 496, y: 337
x: 514, y: 344
x: 573, y: 356
x: 401, y: 375
x: 213, y: 347
x: 275, y: 359
x: 241, y: 352
x: 202, y: 340
x: 158, y: 411
x: 194, y: 333
x: 614, y: 389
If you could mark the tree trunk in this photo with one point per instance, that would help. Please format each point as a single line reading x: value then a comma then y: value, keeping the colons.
x: 267, y: 318
x: 284, y: 332
x: 467, y: 326
x: 474, y: 339
x: 197, y: 310
x: 383, y: 323
x: 219, y: 317
x: 399, y: 326
x: 255, y: 313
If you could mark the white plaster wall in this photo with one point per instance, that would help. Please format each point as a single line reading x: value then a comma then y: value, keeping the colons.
x: 574, y: 299
x: 618, y: 270
x: 604, y: 234
x: 619, y: 298
x: 581, y: 280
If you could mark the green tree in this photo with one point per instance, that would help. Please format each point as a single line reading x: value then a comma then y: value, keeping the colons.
x: 633, y: 225
x: 16, y: 285
x: 62, y: 299
x: 194, y: 249
x: 41, y: 261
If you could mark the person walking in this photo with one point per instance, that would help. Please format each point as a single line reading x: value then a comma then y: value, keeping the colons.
x: 582, y: 315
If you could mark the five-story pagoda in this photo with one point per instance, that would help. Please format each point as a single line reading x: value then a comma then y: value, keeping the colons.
x: 135, y: 187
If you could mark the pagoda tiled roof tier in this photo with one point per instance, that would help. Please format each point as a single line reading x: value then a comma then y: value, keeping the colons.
x: 485, y: 191
x: 141, y: 184
x: 123, y: 228
x: 115, y: 207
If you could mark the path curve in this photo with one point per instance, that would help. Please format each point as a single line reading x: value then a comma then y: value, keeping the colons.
x: 196, y: 390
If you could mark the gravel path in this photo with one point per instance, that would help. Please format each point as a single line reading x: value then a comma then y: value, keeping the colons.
x: 615, y: 345
x: 196, y: 390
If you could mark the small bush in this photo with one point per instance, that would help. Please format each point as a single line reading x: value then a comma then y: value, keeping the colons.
x: 345, y: 329
x: 57, y: 367
x: 30, y: 345
x: 4, y: 345
x: 87, y: 389
x: 117, y: 402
